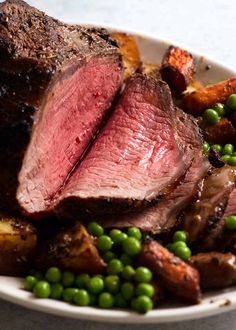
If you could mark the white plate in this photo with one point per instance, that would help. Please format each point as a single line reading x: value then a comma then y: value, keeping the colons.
x: 152, y: 50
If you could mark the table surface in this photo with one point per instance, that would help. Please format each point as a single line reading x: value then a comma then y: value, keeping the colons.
x: 207, y: 26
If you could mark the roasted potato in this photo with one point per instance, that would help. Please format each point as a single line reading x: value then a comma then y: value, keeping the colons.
x: 177, y: 69
x: 72, y: 249
x: 17, y: 246
x: 173, y: 274
x: 222, y: 132
x: 217, y: 270
x: 129, y: 51
x: 198, y: 101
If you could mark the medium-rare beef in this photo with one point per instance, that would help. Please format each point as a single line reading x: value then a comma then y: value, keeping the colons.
x: 162, y: 216
x: 208, y: 210
x: 57, y: 82
x: 216, y: 270
x: 213, y: 239
x: 136, y: 157
x: 175, y: 275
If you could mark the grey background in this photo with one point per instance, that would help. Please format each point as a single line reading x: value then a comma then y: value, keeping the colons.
x: 208, y: 26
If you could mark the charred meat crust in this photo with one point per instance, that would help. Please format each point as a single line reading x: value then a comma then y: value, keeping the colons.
x: 177, y: 69
x: 172, y: 273
x: 217, y: 270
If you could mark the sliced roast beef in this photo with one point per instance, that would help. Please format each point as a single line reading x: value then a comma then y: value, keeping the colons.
x: 218, y: 233
x: 162, y: 216
x: 57, y: 82
x: 209, y: 209
x: 171, y: 272
x: 217, y: 270
x: 135, y: 159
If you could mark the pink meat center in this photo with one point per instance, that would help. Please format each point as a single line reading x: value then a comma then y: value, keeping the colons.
x: 74, y: 110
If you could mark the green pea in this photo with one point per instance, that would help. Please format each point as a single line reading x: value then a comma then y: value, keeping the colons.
x: 104, y: 243
x: 143, y: 275
x: 145, y: 289
x: 108, y: 256
x: 68, y: 279
x: 231, y: 102
x: 206, y: 147
x: 53, y: 275
x: 82, y: 280
x: 216, y: 147
x: 81, y: 298
x: 232, y: 161
x: 134, y: 232
x: 113, y: 233
x: 228, y: 149
x: 220, y: 109
x: 95, y: 229
x: 96, y: 285
x: 114, y: 267
x: 120, y: 301
x: 126, y: 260
x: 30, y: 282
x: 230, y: 222
x: 127, y: 290
x: 210, y: 116
x: 180, y: 235
x: 56, y: 290
x: 131, y: 246
x: 112, y: 283
x: 178, y: 244
x: 68, y: 294
x: 106, y: 300
x: 117, y: 236
x: 128, y: 272
x: 225, y: 158
x: 42, y: 289
x: 142, y: 304
x: 183, y: 252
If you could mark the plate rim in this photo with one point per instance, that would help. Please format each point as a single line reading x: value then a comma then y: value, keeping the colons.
x: 17, y: 295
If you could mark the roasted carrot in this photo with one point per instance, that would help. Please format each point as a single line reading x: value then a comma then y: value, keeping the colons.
x: 129, y: 51
x: 175, y: 275
x: 198, y: 101
x: 177, y: 69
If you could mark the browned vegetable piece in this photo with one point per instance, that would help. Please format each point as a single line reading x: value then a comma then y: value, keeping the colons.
x: 72, y: 249
x: 198, y: 101
x: 17, y: 246
x: 222, y: 132
x: 177, y: 69
x: 129, y: 51
x: 150, y: 70
x: 171, y: 272
x: 217, y: 270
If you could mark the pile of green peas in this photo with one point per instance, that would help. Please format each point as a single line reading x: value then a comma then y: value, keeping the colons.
x: 227, y: 153
x: 123, y: 286
x: 179, y: 246
x: 212, y: 115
